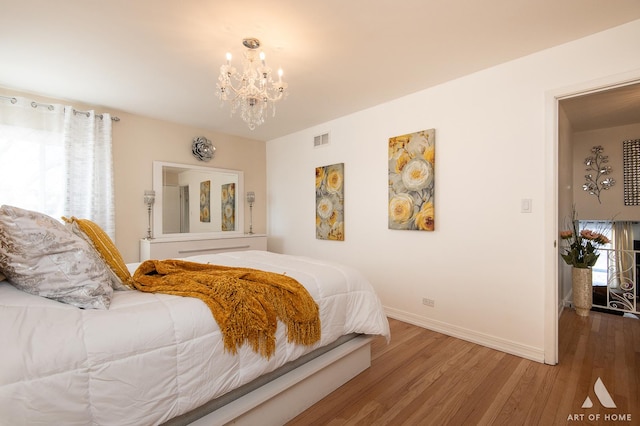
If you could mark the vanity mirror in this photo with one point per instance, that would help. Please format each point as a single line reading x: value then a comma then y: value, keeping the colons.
x: 197, y: 201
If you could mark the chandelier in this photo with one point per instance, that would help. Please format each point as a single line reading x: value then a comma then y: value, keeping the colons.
x: 253, y: 90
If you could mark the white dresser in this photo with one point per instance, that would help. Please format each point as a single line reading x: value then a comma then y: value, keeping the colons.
x: 179, y: 247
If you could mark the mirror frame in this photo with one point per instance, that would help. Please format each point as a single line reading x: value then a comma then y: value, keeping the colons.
x: 157, y: 181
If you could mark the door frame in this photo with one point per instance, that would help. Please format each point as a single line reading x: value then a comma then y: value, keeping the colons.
x: 552, y: 99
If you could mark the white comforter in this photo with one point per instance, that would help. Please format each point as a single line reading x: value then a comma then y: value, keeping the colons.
x: 152, y: 357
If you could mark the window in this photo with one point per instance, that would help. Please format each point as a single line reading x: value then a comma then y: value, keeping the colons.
x: 32, y: 172
x: 57, y: 161
x: 599, y: 270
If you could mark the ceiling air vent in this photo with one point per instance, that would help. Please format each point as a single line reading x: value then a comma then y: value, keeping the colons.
x: 321, y: 140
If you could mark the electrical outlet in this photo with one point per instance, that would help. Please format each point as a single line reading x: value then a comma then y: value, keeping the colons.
x: 429, y: 302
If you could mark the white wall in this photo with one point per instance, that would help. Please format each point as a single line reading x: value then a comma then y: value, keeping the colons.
x: 612, y: 200
x: 485, y: 264
x: 138, y: 141
x: 565, y: 196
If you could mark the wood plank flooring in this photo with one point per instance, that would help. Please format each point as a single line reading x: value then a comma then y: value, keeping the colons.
x: 426, y: 378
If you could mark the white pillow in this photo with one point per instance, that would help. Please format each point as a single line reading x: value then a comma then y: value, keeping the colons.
x: 40, y: 256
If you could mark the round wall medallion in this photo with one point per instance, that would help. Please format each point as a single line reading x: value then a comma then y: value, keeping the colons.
x: 202, y: 148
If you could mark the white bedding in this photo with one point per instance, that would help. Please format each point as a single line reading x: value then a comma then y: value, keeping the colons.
x: 152, y: 357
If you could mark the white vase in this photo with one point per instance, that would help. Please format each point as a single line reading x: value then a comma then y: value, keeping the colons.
x: 582, y: 290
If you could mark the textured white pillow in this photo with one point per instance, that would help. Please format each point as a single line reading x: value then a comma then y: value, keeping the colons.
x: 40, y: 256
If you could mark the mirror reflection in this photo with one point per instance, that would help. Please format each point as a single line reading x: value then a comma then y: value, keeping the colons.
x: 196, y: 200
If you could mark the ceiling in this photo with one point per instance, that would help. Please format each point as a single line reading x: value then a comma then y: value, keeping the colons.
x: 617, y: 106
x: 160, y: 58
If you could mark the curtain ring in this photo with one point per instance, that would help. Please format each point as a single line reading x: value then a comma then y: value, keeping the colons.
x: 36, y: 105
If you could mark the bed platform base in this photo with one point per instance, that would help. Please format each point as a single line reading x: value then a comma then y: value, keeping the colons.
x: 282, y: 398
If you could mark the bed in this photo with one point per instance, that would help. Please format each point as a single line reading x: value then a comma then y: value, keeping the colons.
x: 158, y: 358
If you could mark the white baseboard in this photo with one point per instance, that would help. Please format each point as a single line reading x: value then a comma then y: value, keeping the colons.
x: 493, y: 342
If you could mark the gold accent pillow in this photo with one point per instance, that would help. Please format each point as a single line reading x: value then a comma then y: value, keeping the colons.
x: 95, y: 235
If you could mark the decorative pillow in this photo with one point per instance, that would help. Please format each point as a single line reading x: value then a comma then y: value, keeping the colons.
x: 93, y: 234
x: 40, y: 256
x: 2, y: 277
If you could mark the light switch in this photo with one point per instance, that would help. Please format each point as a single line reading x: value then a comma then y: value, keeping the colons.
x: 525, y: 205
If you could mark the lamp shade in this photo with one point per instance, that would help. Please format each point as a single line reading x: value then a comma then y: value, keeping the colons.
x: 149, y: 197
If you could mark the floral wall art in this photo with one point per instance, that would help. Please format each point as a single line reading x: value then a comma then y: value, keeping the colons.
x: 228, y: 207
x: 411, y: 181
x: 205, y: 201
x: 330, y: 202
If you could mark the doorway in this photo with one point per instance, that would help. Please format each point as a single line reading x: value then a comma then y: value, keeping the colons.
x: 600, y: 105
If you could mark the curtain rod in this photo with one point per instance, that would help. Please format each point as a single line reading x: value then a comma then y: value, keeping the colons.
x: 50, y: 107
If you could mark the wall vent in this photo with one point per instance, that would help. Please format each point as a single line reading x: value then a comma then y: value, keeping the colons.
x: 321, y: 140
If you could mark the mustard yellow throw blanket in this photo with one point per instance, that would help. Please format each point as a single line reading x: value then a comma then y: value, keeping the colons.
x: 245, y: 302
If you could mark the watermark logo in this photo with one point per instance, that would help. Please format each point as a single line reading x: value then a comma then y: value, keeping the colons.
x: 605, y: 399
x: 603, y: 396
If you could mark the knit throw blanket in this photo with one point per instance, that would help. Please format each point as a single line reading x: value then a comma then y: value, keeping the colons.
x: 245, y: 302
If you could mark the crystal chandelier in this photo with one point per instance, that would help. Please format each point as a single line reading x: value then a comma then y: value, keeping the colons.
x: 252, y: 91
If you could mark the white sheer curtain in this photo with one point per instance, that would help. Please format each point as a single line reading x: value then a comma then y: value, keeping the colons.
x: 623, y: 241
x: 57, y: 161
x: 89, y: 168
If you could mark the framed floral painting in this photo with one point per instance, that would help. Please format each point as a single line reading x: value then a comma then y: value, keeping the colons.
x: 228, y: 206
x: 330, y: 202
x: 411, y: 181
x: 205, y: 201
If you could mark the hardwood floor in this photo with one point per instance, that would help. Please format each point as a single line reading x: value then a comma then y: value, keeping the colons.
x: 426, y: 378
